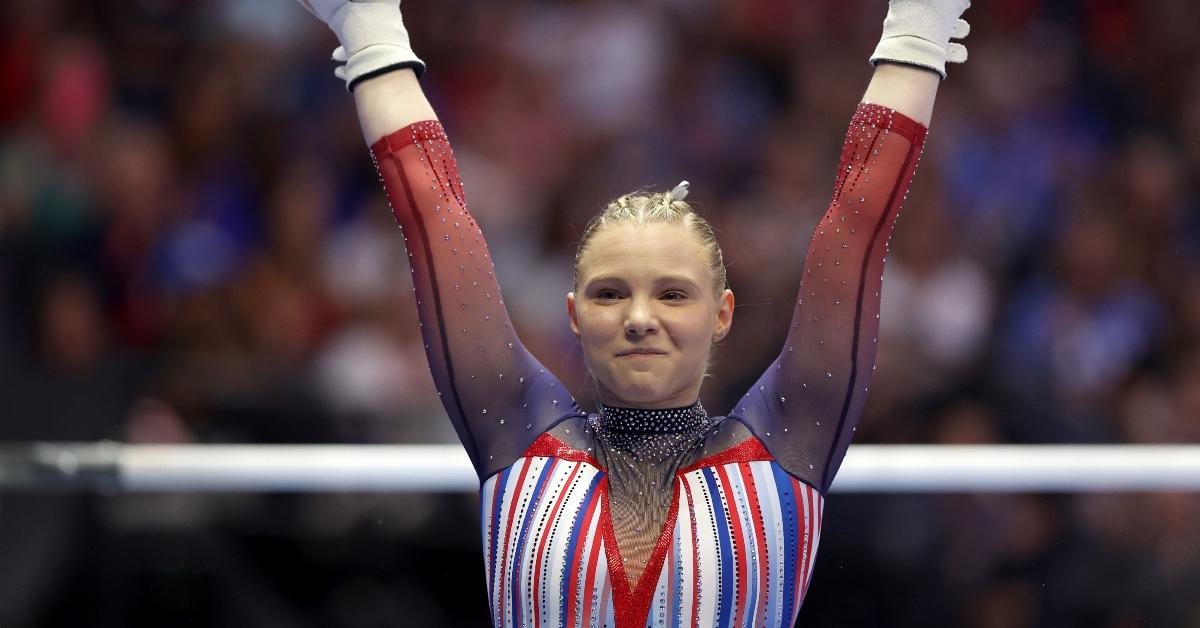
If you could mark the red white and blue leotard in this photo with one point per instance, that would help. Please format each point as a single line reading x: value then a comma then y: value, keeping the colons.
x: 734, y: 502
x: 736, y: 548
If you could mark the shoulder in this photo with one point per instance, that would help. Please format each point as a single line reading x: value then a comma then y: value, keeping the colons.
x: 575, y: 432
x: 729, y: 441
x: 727, y: 433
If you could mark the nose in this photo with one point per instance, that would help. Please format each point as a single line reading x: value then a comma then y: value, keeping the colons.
x: 639, y: 318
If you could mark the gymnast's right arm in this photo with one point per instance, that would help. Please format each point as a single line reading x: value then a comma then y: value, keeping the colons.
x: 497, y: 395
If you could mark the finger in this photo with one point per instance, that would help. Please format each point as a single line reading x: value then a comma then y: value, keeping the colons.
x: 340, y: 72
x: 961, y: 29
x: 956, y: 53
x: 339, y: 54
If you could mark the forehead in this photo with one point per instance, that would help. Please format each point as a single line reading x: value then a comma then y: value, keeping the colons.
x: 630, y: 250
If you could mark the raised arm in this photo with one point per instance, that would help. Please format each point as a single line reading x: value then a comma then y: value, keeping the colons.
x: 389, y: 102
x: 806, y: 405
x: 497, y: 395
x: 905, y: 89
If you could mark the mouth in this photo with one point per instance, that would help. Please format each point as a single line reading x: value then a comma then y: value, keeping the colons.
x: 640, y: 353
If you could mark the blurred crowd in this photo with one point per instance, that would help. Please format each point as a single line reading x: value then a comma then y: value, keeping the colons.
x: 194, y: 248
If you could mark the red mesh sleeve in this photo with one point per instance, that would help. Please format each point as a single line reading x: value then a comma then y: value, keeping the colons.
x: 805, y: 407
x: 497, y: 395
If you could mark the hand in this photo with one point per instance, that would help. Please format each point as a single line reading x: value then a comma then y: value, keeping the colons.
x: 372, y: 35
x: 918, y: 33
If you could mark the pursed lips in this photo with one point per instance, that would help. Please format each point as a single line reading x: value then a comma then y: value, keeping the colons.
x: 640, y: 352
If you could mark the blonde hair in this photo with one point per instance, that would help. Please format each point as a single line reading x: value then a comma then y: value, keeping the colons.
x: 644, y: 208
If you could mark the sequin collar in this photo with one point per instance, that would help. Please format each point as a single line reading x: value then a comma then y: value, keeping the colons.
x: 652, y: 421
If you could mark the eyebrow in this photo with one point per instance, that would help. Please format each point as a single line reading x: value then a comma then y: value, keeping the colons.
x: 662, y: 279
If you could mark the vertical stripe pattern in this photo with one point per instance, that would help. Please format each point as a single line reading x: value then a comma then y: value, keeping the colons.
x: 740, y: 550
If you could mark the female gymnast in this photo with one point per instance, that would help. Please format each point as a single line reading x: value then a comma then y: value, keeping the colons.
x: 649, y: 511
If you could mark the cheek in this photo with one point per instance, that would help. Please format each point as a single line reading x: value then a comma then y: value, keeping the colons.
x: 596, y: 325
x: 694, y: 331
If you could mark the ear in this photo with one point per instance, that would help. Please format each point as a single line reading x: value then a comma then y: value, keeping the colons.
x: 571, y: 314
x: 725, y: 304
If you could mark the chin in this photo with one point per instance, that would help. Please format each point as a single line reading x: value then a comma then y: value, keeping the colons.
x: 642, y: 396
x: 642, y: 393
x: 634, y: 393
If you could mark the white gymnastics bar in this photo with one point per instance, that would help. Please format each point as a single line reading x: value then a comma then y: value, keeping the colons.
x: 115, y: 467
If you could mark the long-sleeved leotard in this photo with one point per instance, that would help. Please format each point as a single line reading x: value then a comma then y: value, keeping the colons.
x: 497, y: 395
x: 806, y: 405
x: 731, y: 518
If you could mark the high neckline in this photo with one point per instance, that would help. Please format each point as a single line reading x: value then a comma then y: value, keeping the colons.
x: 652, y: 420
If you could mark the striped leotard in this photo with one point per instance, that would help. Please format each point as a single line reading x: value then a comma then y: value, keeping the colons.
x: 651, y: 517
x: 735, y: 549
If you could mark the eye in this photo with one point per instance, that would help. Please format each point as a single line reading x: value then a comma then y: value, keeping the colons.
x: 673, y: 295
x: 607, y: 294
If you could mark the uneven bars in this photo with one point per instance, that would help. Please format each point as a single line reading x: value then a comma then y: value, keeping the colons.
x: 115, y: 467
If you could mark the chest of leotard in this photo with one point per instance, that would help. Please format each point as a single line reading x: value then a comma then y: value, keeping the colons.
x: 736, y: 545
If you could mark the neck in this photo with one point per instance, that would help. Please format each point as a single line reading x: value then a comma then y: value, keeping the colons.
x: 635, y: 440
x: 652, y: 420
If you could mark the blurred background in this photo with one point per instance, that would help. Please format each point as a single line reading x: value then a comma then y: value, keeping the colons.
x: 194, y: 248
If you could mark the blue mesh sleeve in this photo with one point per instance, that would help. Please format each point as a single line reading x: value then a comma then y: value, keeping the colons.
x: 806, y: 405
x: 497, y: 395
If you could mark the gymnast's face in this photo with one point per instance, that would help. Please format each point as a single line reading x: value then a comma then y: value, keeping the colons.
x: 646, y: 314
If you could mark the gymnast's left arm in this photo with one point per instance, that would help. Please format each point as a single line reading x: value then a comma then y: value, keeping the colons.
x: 805, y: 407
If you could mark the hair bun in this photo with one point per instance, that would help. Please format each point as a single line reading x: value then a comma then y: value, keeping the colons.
x: 680, y: 192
